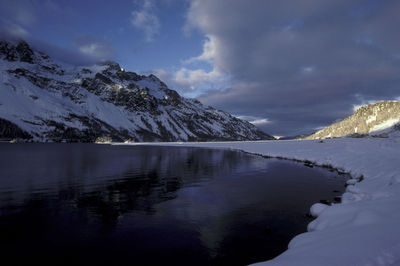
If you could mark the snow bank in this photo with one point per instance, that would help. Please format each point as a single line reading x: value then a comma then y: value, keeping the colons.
x: 317, y: 209
x: 362, y: 230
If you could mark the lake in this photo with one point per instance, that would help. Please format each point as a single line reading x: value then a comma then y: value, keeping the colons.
x: 149, y: 205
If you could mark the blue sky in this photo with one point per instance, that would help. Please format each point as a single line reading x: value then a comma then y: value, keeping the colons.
x: 290, y: 67
x: 64, y: 23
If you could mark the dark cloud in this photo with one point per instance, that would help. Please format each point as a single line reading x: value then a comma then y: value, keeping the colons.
x: 86, y: 52
x: 301, y: 64
x: 12, y: 31
x: 18, y: 18
x: 21, y: 12
x: 15, y: 17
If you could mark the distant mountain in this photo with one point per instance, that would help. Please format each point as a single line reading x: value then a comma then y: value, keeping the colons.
x: 367, y: 119
x: 45, y: 100
x: 291, y: 137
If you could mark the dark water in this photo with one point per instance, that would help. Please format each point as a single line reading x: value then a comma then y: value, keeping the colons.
x: 120, y: 205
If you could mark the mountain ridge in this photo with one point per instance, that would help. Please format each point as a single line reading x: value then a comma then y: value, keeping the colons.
x: 46, y: 100
x: 366, y: 120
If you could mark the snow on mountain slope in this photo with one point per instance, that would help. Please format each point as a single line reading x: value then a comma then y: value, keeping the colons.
x: 45, y: 100
x: 367, y: 119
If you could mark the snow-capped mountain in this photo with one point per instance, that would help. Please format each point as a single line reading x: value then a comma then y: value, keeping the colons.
x: 46, y: 100
x: 372, y: 118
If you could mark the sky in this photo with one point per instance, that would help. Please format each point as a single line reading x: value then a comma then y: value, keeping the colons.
x: 289, y: 67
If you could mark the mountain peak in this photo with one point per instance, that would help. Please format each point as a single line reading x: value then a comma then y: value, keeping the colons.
x: 21, y: 51
x: 25, y: 52
x: 112, y: 65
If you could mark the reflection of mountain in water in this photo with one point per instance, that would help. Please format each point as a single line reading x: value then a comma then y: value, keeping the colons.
x: 106, y: 182
x: 155, y: 181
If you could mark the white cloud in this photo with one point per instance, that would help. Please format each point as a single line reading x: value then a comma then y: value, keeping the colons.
x: 257, y: 121
x: 189, y: 77
x: 192, y: 80
x: 94, y: 48
x: 195, y: 78
x: 89, y: 48
x: 308, y: 69
x: 209, y: 51
x: 144, y: 19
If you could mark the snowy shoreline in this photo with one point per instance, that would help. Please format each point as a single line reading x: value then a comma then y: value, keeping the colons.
x: 361, y: 230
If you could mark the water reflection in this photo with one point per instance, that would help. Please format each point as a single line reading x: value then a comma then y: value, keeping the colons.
x: 105, y: 204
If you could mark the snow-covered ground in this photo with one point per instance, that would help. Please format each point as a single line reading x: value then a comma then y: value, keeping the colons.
x: 362, y: 230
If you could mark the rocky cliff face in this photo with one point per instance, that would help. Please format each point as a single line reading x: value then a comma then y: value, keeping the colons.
x: 367, y: 119
x: 45, y: 100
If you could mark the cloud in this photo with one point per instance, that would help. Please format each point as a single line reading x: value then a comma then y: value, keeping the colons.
x: 16, y: 17
x: 194, y: 78
x: 200, y: 78
x: 23, y: 12
x: 208, y: 54
x: 145, y: 19
x: 302, y: 64
x: 258, y: 121
x: 191, y: 79
x: 74, y: 55
x: 87, y: 50
x: 10, y: 30
x: 97, y: 49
